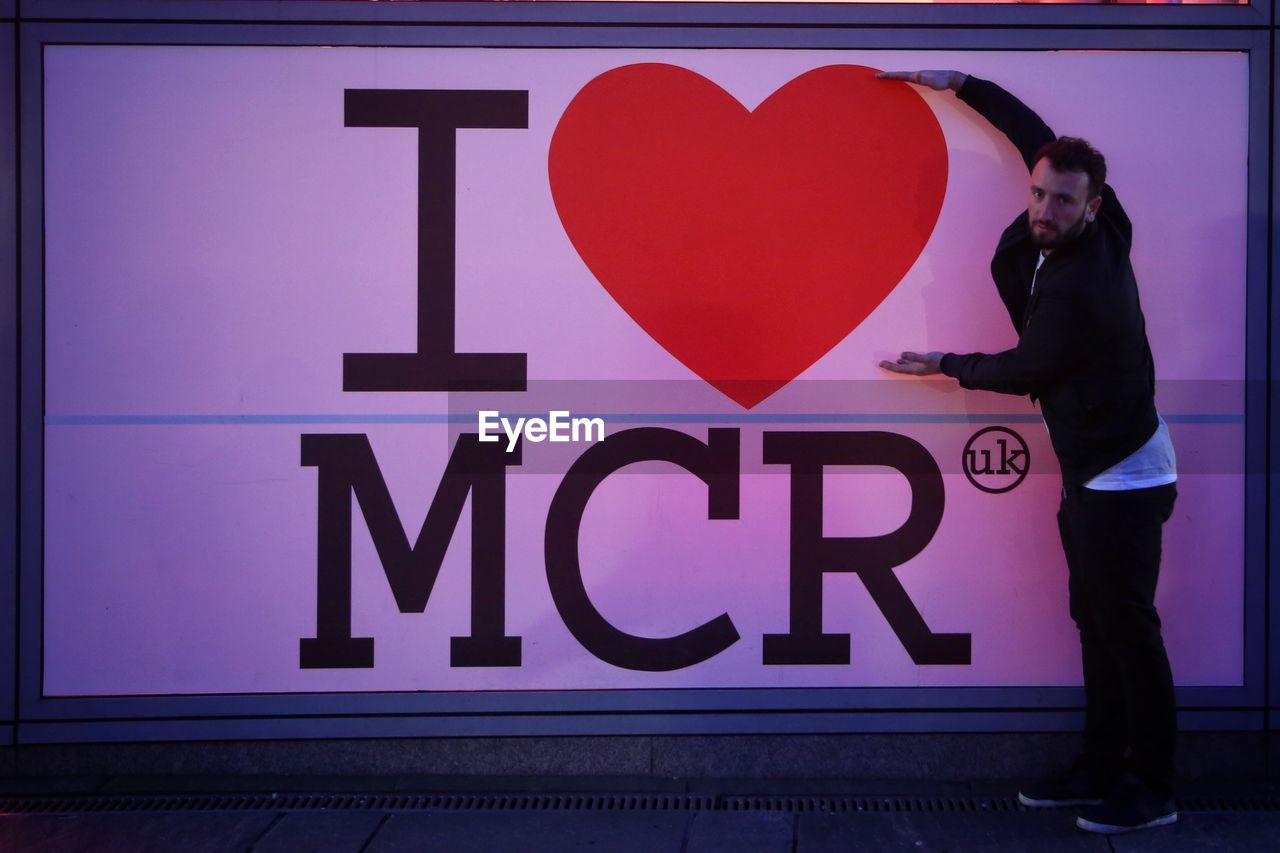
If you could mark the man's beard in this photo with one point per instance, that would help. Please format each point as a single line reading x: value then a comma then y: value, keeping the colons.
x: 1059, y: 239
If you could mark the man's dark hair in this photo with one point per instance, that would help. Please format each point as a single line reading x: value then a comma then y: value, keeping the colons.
x: 1071, y: 154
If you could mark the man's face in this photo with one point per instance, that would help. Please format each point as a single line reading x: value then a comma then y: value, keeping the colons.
x: 1060, y: 206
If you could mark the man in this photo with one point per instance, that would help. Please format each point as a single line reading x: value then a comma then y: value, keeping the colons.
x: 1063, y: 272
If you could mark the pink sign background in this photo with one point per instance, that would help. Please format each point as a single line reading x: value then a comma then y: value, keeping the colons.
x: 216, y: 239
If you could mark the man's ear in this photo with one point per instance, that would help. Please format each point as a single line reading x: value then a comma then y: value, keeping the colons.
x: 1091, y: 208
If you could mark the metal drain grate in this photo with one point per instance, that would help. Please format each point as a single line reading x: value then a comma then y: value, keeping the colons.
x: 844, y: 805
x: 841, y: 805
x: 363, y: 802
x: 562, y: 802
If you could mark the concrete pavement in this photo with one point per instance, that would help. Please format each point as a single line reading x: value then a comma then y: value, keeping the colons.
x: 388, y: 815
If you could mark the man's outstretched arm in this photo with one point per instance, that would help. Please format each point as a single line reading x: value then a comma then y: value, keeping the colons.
x: 1035, y: 360
x: 969, y: 369
x: 1026, y: 130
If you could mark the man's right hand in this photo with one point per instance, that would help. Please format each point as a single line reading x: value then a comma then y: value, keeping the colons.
x: 916, y: 364
x: 938, y: 80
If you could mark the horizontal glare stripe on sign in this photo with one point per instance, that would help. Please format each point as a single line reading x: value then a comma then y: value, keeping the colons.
x: 623, y: 418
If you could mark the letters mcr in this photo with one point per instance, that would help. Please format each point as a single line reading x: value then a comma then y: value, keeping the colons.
x: 345, y: 466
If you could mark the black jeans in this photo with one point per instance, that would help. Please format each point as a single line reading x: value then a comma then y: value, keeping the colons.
x: 1112, y: 544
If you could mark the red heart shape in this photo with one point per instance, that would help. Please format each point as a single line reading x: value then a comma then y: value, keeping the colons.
x: 747, y: 243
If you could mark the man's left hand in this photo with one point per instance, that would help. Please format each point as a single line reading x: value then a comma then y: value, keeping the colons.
x: 916, y: 364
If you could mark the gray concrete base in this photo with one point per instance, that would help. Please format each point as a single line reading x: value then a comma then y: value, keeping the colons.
x: 967, y: 757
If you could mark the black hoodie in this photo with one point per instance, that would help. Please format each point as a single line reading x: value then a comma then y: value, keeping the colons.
x: 1082, y: 343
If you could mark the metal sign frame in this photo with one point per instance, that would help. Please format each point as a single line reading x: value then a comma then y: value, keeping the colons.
x: 29, y: 717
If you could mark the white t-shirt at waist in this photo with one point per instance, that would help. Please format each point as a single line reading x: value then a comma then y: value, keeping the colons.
x: 1152, y: 464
